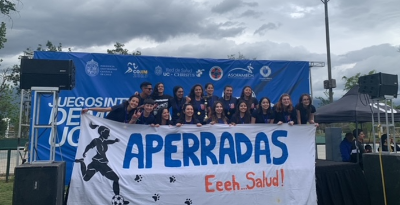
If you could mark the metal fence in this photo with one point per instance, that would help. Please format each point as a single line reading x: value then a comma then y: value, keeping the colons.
x: 9, y: 159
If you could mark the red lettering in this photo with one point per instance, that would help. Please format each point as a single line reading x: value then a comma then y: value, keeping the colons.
x: 208, y: 183
x: 251, y: 179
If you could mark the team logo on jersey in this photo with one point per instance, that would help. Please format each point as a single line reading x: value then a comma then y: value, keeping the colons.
x: 92, y: 68
x: 216, y: 73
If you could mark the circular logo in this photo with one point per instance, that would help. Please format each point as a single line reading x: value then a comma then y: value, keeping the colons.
x: 216, y: 73
x: 92, y: 68
x: 158, y: 70
x: 265, y: 71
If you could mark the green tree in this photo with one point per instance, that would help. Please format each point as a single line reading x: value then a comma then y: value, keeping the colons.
x: 324, y: 101
x: 120, y: 50
x: 9, y: 86
x: 8, y: 100
x: 353, y: 80
x: 6, y: 7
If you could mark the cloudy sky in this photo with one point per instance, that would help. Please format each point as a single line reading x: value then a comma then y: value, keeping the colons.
x: 364, y: 35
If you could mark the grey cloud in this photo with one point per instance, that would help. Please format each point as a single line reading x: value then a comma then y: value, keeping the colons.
x: 265, y: 28
x: 251, y: 4
x: 226, y: 6
x: 214, y: 31
x: 251, y: 13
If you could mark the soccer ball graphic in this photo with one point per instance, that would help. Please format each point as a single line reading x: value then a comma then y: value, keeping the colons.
x: 118, y: 200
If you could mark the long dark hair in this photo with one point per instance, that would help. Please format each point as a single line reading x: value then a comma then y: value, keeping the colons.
x: 242, y: 96
x: 213, y: 115
x: 308, y: 108
x: 260, y: 110
x: 174, y: 90
x: 247, y: 115
x: 158, y: 119
x: 155, y: 92
x: 281, y: 108
x: 182, y: 115
x: 192, y: 93
x: 228, y: 86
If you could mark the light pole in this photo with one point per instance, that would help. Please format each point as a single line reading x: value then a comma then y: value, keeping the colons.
x: 331, y: 83
x: 7, y: 120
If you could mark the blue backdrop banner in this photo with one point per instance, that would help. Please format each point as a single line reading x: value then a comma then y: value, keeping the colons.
x: 104, y: 80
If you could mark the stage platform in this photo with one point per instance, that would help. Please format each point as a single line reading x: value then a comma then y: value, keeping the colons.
x: 340, y: 183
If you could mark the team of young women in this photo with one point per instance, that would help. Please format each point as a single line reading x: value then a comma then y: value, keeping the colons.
x: 201, y: 107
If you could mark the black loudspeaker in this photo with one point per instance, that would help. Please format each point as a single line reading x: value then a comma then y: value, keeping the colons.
x: 378, y: 85
x: 391, y: 171
x: 47, y: 73
x: 39, y: 184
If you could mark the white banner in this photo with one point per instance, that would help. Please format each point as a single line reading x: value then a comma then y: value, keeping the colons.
x: 215, y: 164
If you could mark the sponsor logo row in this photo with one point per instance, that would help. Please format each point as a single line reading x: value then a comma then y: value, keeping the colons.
x: 216, y: 73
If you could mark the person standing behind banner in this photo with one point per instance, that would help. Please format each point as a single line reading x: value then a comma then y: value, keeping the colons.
x: 264, y: 113
x: 146, y: 92
x: 211, y: 98
x: 284, y: 111
x: 228, y: 101
x: 146, y: 117
x: 242, y: 114
x: 345, y: 147
x: 160, y: 99
x: 177, y: 103
x: 305, y: 110
x: 247, y: 96
x: 120, y: 113
x: 217, y: 115
x: 196, y: 99
x: 162, y: 118
x: 188, y: 116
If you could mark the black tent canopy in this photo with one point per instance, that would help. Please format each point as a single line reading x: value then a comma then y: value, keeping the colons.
x: 354, y: 107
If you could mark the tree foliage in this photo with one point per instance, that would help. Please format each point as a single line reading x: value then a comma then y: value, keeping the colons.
x: 6, y: 7
x: 9, y: 86
x: 353, y: 80
x: 239, y: 57
x: 324, y: 101
x: 120, y: 50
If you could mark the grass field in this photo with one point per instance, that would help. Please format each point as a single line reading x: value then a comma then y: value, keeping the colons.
x: 6, y: 191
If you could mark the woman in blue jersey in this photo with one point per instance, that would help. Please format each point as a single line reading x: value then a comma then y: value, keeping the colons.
x: 188, y: 116
x: 242, y: 114
x: 120, y: 113
x: 196, y: 99
x: 284, y: 111
x: 264, y: 113
x: 217, y: 114
x: 177, y: 103
x: 247, y: 96
x: 228, y: 101
x: 305, y: 110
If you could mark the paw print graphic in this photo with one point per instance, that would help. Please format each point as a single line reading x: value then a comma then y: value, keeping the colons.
x: 188, y: 202
x: 172, y: 179
x: 138, y: 178
x: 156, y: 197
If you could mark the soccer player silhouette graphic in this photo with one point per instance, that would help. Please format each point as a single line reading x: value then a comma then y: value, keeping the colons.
x: 99, y: 161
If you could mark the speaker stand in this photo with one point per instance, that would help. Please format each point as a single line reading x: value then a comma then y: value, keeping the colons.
x: 38, y: 93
